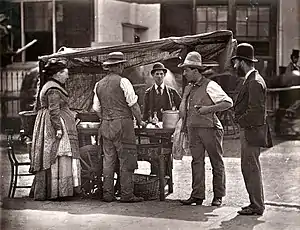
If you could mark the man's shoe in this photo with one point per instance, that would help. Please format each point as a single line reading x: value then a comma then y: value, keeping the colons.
x: 108, y: 200
x: 249, y: 206
x: 191, y: 201
x: 217, y: 201
x: 250, y: 212
x: 118, y: 193
x: 134, y: 199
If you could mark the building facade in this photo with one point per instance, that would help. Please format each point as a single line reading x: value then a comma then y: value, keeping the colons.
x: 78, y: 23
x: 266, y: 24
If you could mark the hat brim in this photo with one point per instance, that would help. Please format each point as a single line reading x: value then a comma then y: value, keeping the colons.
x: 163, y: 69
x: 203, y: 66
x: 244, y: 58
x: 113, y: 62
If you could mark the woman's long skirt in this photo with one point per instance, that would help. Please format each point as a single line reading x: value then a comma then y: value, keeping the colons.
x: 55, y: 162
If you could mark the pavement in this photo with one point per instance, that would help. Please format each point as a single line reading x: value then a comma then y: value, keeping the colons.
x: 281, y: 178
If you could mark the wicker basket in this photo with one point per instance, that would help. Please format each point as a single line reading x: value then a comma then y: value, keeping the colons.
x: 146, y: 186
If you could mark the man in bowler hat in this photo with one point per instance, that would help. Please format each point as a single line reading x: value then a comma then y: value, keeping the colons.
x: 201, y: 100
x: 250, y: 113
x: 159, y: 97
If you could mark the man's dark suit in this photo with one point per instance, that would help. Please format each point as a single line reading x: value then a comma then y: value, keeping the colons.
x: 169, y: 98
x: 250, y: 112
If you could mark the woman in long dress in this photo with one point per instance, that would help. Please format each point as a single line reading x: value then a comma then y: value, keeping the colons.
x: 55, y: 151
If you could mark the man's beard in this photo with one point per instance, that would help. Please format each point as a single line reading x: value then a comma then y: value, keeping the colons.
x: 240, y: 72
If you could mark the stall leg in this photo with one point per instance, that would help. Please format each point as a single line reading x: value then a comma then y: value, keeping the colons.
x: 170, y: 174
x: 161, y: 175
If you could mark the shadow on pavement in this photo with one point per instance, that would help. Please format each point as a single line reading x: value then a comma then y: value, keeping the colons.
x: 239, y: 222
x: 170, y: 209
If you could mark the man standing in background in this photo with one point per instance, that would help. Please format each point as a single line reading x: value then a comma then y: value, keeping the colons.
x: 159, y: 97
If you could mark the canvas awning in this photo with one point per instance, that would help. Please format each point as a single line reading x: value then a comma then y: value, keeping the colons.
x: 85, y: 64
x: 213, y: 46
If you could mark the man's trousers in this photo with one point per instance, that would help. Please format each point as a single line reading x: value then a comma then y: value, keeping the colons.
x: 209, y: 139
x: 251, y: 171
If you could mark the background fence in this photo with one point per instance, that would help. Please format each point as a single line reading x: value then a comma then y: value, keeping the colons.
x: 11, y: 81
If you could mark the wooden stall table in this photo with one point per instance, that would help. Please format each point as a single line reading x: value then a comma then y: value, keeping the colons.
x: 161, y: 151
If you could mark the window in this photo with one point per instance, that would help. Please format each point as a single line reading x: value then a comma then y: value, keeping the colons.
x: 73, y: 25
x: 253, y: 22
x: 133, y: 33
x: 211, y: 18
x: 38, y: 25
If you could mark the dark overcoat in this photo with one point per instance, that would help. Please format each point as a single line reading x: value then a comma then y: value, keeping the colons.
x: 250, y: 110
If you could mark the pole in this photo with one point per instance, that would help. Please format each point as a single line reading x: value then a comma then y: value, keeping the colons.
x: 231, y: 20
x: 54, y: 26
x: 22, y: 29
x: 194, y: 24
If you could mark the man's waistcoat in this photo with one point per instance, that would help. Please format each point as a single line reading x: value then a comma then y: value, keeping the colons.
x: 199, y: 96
x: 112, y: 99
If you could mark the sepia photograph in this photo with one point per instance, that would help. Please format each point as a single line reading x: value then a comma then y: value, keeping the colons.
x: 150, y: 114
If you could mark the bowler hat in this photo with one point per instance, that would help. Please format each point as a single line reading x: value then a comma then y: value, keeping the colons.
x: 295, y: 53
x: 194, y: 59
x: 115, y: 58
x: 245, y: 51
x: 158, y: 66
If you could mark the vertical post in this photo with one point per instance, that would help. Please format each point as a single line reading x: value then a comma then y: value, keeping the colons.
x: 93, y: 20
x: 280, y: 36
x: 22, y: 29
x: 194, y: 24
x: 161, y: 163
x: 273, y: 33
x: 231, y: 19
x: 54, y: 26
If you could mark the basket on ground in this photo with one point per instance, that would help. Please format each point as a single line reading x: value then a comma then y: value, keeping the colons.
x: 146, y: 186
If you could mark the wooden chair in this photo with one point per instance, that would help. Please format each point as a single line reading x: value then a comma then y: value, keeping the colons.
x: 15, y: 164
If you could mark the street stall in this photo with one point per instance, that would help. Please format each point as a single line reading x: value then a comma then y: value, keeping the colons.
x: 85, y: 69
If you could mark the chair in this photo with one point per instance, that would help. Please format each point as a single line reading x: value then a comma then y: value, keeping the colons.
x: 15, y: 164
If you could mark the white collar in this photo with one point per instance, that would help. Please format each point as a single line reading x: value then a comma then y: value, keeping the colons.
x: 248, y: 73
x: 162, y: 86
